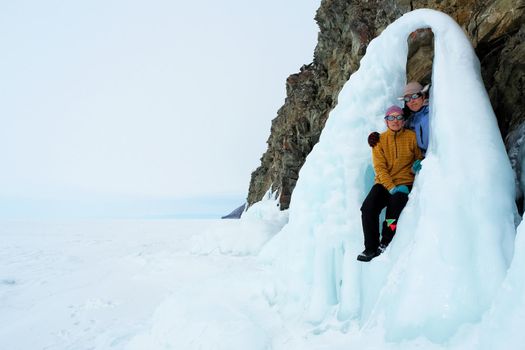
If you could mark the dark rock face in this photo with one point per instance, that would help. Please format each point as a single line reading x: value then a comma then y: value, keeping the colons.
x: 507, y: 94
x: 496, y: 30
x: 505, y: 80
x: 346, y: 28
x: 420, y: 55
x: 236, y: 213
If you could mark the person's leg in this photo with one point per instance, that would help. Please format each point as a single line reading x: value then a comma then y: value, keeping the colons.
x: 373, y: 204
x: 394, y: 207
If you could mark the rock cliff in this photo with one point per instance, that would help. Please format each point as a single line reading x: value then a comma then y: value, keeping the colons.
x: 497, y: 32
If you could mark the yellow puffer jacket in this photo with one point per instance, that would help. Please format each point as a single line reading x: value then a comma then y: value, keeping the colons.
x: 393, y: 157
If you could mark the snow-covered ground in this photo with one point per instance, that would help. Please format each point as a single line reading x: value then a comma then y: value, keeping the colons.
x: 127, y: 285
x: 151, y: 285
x: 139, y: 285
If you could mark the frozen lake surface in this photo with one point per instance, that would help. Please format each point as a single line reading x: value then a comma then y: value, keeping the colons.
x: 162, y: 285
x: 128, y: 285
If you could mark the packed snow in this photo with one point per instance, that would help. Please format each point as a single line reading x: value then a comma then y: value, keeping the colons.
x: 452, y: 278
x: 127, y: 285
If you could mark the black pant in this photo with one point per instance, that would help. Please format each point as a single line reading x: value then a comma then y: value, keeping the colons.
x: 377, y: 199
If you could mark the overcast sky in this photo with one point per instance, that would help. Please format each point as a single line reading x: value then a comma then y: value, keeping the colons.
x: 143, y: 98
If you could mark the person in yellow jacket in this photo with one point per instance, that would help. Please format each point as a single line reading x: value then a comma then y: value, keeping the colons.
x: 396, y: 158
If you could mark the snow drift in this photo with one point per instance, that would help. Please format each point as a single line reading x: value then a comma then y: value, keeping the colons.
x: 455, y: 237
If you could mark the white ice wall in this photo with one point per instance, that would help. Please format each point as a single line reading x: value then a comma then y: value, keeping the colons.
x: 455, y: 237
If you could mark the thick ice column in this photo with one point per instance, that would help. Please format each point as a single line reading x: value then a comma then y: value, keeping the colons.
x: 454, y: 238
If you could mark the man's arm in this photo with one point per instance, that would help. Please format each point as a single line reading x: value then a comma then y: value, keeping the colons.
x: 416, y: 166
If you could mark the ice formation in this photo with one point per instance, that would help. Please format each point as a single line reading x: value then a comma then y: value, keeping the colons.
x: 456, y: 235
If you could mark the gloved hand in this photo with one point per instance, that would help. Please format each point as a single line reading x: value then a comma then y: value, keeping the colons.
x: 400, y: 188
x: 373, y: 139
x: 416, y: 167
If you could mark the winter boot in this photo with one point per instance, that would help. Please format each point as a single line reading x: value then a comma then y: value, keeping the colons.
x: 368, y: 255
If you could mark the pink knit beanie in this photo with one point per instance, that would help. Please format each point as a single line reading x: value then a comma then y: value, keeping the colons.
x: 393, y: 109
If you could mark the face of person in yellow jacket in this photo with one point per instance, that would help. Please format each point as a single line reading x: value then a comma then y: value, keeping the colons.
x: 395, y: 124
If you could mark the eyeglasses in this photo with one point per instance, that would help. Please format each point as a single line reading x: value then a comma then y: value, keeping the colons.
x: 392, y: 117
x: 409, y: 98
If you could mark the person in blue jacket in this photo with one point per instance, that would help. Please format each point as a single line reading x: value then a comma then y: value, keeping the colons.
x: 416, y: 102
x: 416, y: 110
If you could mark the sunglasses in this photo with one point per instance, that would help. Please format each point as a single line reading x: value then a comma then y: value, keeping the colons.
x: 409, y: 98
x: 392, y: 117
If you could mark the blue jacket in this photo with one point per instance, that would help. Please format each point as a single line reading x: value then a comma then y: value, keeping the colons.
x: 418, y: 122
